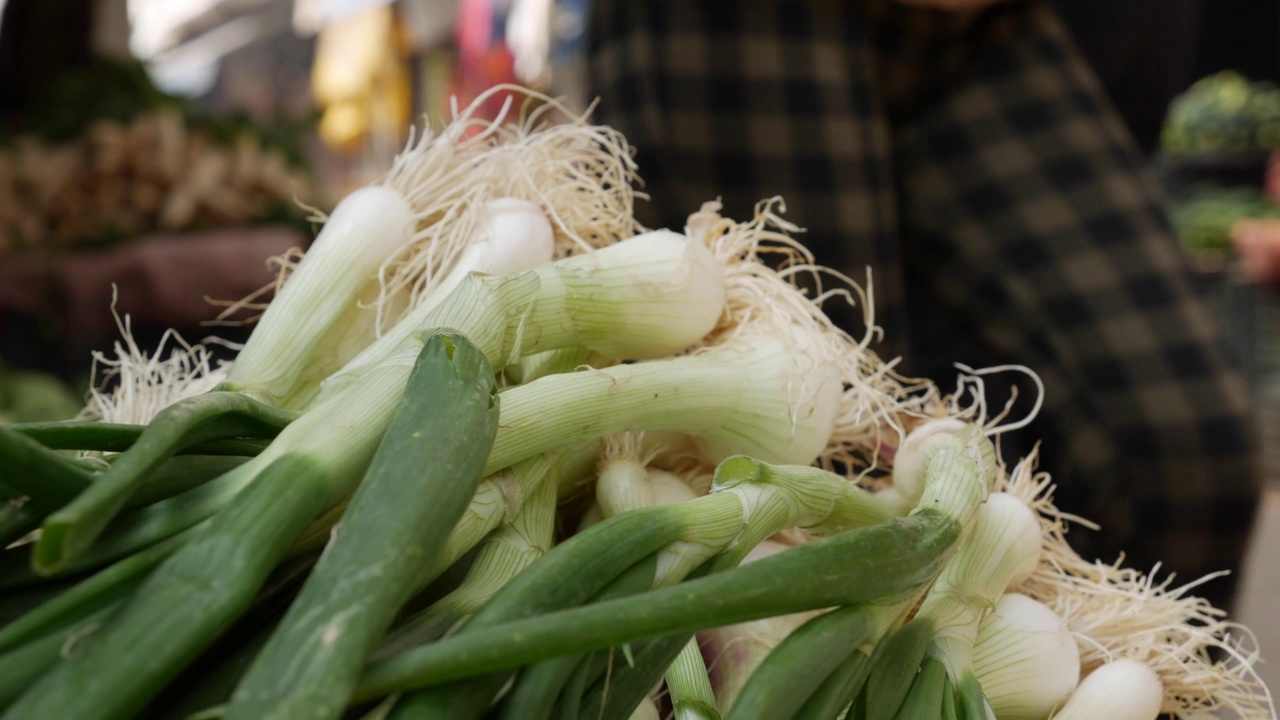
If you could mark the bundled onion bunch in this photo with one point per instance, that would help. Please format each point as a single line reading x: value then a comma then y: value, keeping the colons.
x: 494, y: 450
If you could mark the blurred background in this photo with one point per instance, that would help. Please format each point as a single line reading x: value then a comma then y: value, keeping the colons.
x: 155, y: 155
x: 159, y: 152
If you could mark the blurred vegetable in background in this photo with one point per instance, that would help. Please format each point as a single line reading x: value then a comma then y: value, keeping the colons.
x: 105, y: 156
x: 1204, y: 218
x: 1223, y: 113
x: 30, y: 396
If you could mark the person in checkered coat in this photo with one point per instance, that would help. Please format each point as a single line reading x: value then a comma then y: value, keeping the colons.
x: 964, y: 152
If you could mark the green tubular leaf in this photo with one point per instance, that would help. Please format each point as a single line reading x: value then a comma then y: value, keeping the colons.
x: 17, y: 521
x: 470, y: 698
x: 627, y: 685
x: 949, y: 709
x: 689, y: 686
x: 47, y: 478
x: 184, y: 604
x: 575, y: 571
x: 181, y: 473
x: 576, y: 687
x: 537, y: 687
x: 824, y: 502
x: 118, y: 437
x: 534, y: 694
x: 20, y: 667
x: 211, y: 416
x: 500, y: 557
x: 81, y: 434
x: 797, y: 667
x: 838, y: 690
x: 971, y: 703
x: 140, y: 528
x: 893, y: 667
x: 890, y: 560
x: 924, y: 699
x: 420, y: 482
x: 102, y: 588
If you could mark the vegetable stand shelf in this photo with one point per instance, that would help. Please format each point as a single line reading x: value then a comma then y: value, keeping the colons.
x: 54, y: 308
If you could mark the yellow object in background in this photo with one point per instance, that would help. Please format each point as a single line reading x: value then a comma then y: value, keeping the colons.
x: 361, y: 79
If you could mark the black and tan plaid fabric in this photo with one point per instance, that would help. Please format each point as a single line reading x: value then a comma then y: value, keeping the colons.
x: 973, y: 164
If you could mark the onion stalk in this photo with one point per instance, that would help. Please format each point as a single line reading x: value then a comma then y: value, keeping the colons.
x: 1003, y: 545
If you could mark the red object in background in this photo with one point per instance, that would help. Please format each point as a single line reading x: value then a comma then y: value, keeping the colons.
x: 483, y: 58
x: 1271, y: 186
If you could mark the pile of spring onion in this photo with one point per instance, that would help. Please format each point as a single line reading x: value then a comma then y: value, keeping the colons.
x: 495, y: 451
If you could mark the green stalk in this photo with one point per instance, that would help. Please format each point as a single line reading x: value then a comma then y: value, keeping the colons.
x: 950, y: 701
x: 101, y: 589
x: 184, y: 604
x: 628, y: 683
x: 365, y: 228
x: 650, y: 296
x: 211, y: 416
x: 689, y: 686
x: 421, y: 480
x: 551, y: 362
x: 838, y: 690
x: 589, y: 302
x: 340, y: 434
x: 504, y: 554
x: 571, y: 699
x: 893, y: 668
x: 21, y: 667
x: 538, y: 686
x: 117, y: 437
x: 971, y: 703
x: 179, y: 474
x: 887, y: 560
x: 715, y: 394
x: 47, y: 478
x: 500, y: 496
x: 821, y: 502
x: 136, y: 530
x: 924, y: 698
x: 795, y: 669
x: 755, y: 500
x: 533, y: 696
x: 175, y: 489
x: 16, y: 604
x: 208, y: 683
x: 17, y: 520
x: 572, y: 573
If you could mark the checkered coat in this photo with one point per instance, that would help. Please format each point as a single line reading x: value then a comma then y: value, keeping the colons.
x: 973, y: 163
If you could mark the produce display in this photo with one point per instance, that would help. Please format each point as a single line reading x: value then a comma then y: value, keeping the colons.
x: 32, y: 396
x: 1224, y: 113
x: 1203, y: 219
x: 106, y: 157
x: 494, y: 450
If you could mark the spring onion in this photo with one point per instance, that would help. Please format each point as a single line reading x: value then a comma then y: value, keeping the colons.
x: 1025, y: 658
x: 1118, y: 690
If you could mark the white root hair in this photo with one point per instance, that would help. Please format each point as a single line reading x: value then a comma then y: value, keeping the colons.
x: 580, y: 175
x: 1118, y: 612
x: 134, y: 386
x: 876, y: 401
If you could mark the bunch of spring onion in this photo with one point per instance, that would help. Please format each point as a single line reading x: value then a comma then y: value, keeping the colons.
x: 440, y: 483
